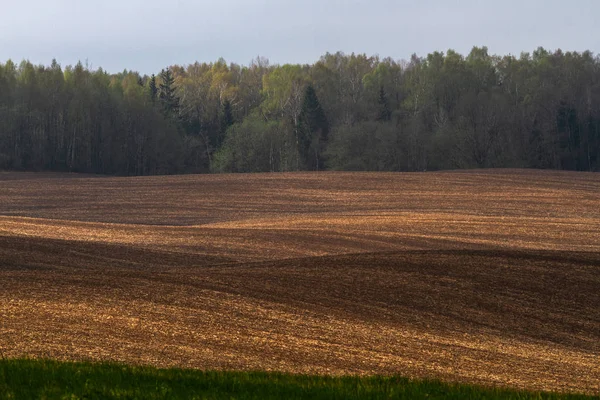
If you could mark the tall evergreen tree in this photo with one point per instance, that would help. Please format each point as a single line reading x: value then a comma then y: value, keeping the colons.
x: 152, y: 89
x: 167, y: 96
x: 312, y: 131
x: 384, y: 113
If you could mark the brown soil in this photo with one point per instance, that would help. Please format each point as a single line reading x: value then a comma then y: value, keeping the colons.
x: 487, y: 277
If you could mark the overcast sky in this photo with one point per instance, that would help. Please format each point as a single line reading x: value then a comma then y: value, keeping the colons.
x: 147, y: 35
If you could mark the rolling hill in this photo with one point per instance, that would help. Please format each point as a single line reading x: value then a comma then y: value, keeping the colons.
x: 488, y: 276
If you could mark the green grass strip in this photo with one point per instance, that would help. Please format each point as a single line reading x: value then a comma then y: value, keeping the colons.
x: 44, y: 379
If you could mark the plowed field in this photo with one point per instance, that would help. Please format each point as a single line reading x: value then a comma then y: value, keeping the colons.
x: 486, y: 277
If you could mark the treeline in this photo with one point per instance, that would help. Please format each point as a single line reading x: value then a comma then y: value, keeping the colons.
x: 345, y: 112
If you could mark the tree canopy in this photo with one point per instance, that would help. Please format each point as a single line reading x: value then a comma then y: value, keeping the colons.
x: 344, y: 112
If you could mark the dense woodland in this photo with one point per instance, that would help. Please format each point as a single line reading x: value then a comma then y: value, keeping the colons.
x: 344, y: 112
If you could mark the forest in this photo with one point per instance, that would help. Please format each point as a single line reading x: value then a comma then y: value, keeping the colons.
x: 344, y: 112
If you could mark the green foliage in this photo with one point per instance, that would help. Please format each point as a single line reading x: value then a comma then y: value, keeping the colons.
x: 226, y: 120
x: 312, y: 131
x: 28, y: 379
x: 367, y: 146
x: 445, y: 110
x: 152, y: 88
x: 166, y: 93
x: 254, y: 145
x: 282, y: 92
x: 384, y: 112
x: 82, y: 121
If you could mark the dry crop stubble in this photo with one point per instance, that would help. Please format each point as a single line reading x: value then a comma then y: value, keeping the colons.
x: 483, y: 276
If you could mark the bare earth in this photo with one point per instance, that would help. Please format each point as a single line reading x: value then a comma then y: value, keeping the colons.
x: 486, y: 277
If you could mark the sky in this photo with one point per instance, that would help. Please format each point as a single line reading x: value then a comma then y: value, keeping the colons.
x: 148, y: 35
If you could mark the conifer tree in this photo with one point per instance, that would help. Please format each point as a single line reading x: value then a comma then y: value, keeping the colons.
x: 312, y: 131
x: 384, y: 114
x: 167, y: 96
x: 152, y: 89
